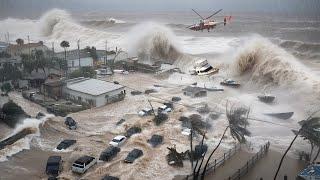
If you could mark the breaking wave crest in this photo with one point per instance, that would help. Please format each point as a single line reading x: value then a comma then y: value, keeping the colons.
x: 153, y: 42
x: 267, y: 63
x: 302, y: 49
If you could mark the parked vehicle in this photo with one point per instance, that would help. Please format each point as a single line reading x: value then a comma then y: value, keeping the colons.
x: 230, y: 82
x: 133, y: 130
x: 117, y: 141
x: 155, y: 140
x: 164, y: 109
x: 82, y: 164
x: 109, y: 153
x: 70, y: 123
x: 65, y: 144
x: 133, y: 155
x: 54, y: 166
x: 145, y: 112
x: 107, y: 177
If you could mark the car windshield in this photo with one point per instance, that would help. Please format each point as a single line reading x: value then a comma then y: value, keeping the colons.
x: 116, y: 140
x: 78, y: 165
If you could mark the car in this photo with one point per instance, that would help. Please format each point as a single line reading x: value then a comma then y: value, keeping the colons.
x: 109, y: 153
x: 145, y: 112
x: 186, y: 131
x: 133, y: 130
x: 54, y: 166
x: 65, y: 144
x: 108, y: 177
x: 70, y: 123
x: 133, y: 155
x: 164, y: 109
x: 117, y: 141
x: 82, y: 164
x: 155, y: 140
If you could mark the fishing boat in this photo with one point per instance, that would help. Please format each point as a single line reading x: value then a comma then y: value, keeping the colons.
x: 266, y: 98
x: 230, y: 82
x: 284, y: 116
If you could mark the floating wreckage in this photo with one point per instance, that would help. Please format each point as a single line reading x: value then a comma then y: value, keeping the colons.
x: 230, y: 82
x: 284, y: 116
x: 266, y: 98
x: 175, y: 158
x: 202, y: 67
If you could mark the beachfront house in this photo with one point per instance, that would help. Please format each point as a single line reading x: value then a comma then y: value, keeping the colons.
x: 194, y: 91
x: 16, y: 50
x: 94, y: 92
x: 75, y: 61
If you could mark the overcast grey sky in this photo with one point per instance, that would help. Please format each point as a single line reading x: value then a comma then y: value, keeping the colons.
x: 36, y: 7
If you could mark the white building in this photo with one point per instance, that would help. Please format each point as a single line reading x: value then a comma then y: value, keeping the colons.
x: 73, y: 59
x: 95, y: 92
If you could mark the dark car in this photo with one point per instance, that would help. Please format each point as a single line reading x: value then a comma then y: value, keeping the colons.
x: 54, y: 166
x: 133, y: 155
x: 107, y: 177
x: 133, y: 130
x: 109, y: 153
x: 40, y: 115
x: 65, y: 144
x: 155, y: 140
x: 70, y: 123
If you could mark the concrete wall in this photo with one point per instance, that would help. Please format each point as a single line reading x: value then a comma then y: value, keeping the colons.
x: 74, y: 64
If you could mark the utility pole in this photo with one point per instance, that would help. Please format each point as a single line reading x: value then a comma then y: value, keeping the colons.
x: 78, y: 43
x: 29, y: 45
x: 105, y: 63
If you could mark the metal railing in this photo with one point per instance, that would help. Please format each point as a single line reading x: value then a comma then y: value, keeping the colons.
x: 250, y: 163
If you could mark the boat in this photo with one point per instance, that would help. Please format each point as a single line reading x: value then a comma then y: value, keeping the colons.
x: 230, y: 82
x: 202, y: 67
x: 209, y: 87
x: 284, y: 116
x: 266, y: 98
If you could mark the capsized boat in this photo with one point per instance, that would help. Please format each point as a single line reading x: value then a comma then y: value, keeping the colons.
x: 230, y: 82
x: 266, y: 98
x: 284, y: 116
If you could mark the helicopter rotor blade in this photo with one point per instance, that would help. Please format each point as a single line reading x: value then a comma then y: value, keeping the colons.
x: 197, y: 14
x: 214, y: 13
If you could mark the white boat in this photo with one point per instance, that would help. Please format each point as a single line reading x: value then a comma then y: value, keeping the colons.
x: 202, y: 67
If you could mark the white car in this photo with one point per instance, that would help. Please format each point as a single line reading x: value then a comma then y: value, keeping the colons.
x: 117, y: 141
x: 164, y: 109
x: 186, y: 132
x: 145, y: 112
x: 82, y: 164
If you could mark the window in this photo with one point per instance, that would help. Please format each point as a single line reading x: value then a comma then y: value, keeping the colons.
x: 79, y: 98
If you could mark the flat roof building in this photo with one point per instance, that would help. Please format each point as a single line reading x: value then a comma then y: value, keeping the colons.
x: 95, y: 92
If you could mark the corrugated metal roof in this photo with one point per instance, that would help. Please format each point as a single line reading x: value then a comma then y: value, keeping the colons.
x: 94, y: 87
x: 311, y: 171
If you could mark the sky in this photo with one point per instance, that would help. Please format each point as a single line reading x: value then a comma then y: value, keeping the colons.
x: 18, y: 8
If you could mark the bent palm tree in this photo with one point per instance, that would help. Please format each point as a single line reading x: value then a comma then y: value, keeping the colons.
x: 309, y: 128
x: 65, y: 45
x: 237, y: 122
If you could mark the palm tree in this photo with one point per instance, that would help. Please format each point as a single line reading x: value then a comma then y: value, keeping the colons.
x: 237, y: 122
x: 65, y: 45
x: 20, y: 41
x: 308, y: 129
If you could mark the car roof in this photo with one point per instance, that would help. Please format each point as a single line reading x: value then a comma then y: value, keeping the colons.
x: 54, y: 159
x: 119, y: 137
x: 84, y: 160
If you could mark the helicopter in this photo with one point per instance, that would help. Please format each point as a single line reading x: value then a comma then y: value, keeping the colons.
x: 207, y: 23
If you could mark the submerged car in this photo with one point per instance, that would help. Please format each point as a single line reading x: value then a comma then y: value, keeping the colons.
x: 108, y: 177
x: 230, y: 82
x: 155, y: 140
x: 65, y: 144
x: 133, y: 155
x: 164, y: 109
x: 70, y: 123
x: 145, y: 112
x: 82, y: 164
x: 54, y: 166
x: 109, y: 153
x: 117, y: 141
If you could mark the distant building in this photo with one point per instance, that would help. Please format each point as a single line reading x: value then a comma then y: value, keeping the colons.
x: 3, y: 46
x: 194, y: 91
x: 95, y: 92
x: 17, y: 50
x: 312, y: 172
x: 73, y: 59
x: 13, y: 61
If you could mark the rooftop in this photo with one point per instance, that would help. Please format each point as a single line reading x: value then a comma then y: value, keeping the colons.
x: 93, y: 86
x: 312, y: 170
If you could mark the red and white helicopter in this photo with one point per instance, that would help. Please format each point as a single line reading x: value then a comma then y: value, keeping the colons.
x: 207, y: 23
